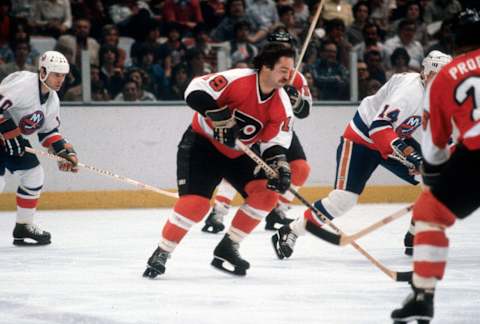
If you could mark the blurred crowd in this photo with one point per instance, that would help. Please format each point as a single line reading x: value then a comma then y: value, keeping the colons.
x: 150, y: 50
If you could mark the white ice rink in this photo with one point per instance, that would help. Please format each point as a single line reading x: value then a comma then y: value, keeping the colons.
x: 91, y: 273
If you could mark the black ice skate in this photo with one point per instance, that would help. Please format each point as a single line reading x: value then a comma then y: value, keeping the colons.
x: 213, y: 223
x: 29, y: 235
x: 156, y: 263
x: 276, y: 216
x: 417, y: 307
x: 227, y: 258
x: 283, y: 242
x: 408, y: 243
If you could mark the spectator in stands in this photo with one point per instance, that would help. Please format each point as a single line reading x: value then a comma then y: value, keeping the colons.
x: 111, y: 75
x: 179, y: 82
x: 379, y: 13
x: 98, y: 90
x: 130, y: 92
x: 151, y: 39
x: 335, y: 30
x: 71, y: 89
x: 314, y: 91
x: 186, y: 13
x: 110, y: 36
x: 399, y: 11
x: 22, y: 9
x: 21, y: 32
x: 93, y: 10
x: 173, y: 47
x: 406, y: 39
x: 264, y: 14
x: 338, y: 9
x: 203, y: 43
x: 302, y: 12
x: 52, y: 17
x: 399, y: 62
x: 240, y: 48
x: 21, y: 52
x: 213, y: 12
x: 376, y: 69
x: 414, y: 14
x: 441, y: 10
x: 132, y: 18
x: 373, y: 86
x: 140, y: 77
x: 235, y: 12
x: 355, y: 31
x: 331, y: 77
x: 80, y: 41
x: 445, y: 40
x: 6, y: 26
x: 371, y: 40
x: 196, y: 63
x: 363, y: 79
x: 158, y: 80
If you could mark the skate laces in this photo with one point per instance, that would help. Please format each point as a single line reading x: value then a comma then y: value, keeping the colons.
x: 35, y: 229
x: 290, y: 239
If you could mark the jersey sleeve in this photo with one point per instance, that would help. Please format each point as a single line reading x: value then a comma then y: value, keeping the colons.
x: 300, y: 83
x: 437, y: 127
x: 12, y: 97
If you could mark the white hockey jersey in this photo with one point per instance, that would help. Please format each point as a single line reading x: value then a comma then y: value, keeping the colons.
x: 393, y: 112
x: 20, y: 101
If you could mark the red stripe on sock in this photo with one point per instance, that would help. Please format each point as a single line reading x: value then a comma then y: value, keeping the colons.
x: 27, y: 203
x: 434, y: 238
x: 243, y: 222
x: 429, y: 269
x: 223, y: 200
x: 173, y: 233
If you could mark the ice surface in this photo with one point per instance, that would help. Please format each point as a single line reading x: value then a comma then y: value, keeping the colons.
x: 91, y: 273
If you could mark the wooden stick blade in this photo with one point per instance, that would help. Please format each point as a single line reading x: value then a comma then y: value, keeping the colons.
x: 323, y: 234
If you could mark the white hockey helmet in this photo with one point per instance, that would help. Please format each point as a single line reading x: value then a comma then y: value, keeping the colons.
x: 434, y: 62
x: 53, y: 61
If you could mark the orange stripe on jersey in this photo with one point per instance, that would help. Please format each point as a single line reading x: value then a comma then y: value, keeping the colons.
x: 344, y: 165
x: 26, y: 203
x: 173, y: 233
x: 244, y: 222
x: 51, y: 139
x: 429, y: 269
x: 433, y: 238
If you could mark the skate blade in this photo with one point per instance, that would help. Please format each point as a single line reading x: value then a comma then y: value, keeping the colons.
x: 225, y: 266
x: 276, y: 247
x: 420, y: 319
x: 29, y: 242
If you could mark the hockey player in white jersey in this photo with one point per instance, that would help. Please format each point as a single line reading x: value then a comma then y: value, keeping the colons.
x: 380, y: 133
x: 29, y: 104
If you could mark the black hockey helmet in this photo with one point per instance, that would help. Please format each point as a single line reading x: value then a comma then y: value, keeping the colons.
x: 465, y: 28
x: 281, y: 37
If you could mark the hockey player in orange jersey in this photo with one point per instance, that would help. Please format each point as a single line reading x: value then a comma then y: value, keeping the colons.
x: 452, y: 178
x: 252, y: 106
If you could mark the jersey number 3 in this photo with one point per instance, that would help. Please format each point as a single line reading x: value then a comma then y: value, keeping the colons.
x: 469, y: 87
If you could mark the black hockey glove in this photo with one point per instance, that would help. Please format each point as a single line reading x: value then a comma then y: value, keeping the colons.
x: 407, y: 155
x: 295, y: 98
x: 14, y: 142
x: 431, y: 173
x: 282, y: 168
x: 65, y: 150
x: 225, y: 129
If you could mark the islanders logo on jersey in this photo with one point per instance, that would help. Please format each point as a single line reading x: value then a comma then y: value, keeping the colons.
x: 30, y: 123
x: 406, y: 128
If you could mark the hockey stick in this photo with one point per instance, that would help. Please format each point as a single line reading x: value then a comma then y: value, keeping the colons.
x: 395, y: 275
x: 307, y: 39
x: 105, y: 173
x: 342, y: 239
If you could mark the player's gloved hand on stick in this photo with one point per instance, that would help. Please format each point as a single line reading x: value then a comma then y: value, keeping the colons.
x: 65, y: 150
x: 295, y: 98
x: 225, y: 129
x: 431, y: 173
x: 407, y: 155
x: 282, y: 168
x: 13, y: 141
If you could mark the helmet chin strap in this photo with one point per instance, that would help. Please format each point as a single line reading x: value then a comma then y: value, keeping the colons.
x: 44, y: 81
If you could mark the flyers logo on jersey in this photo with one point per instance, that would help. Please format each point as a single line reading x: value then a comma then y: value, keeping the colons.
x: 409, y: 126
x: 249, y: 126
x: 30, y: 123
